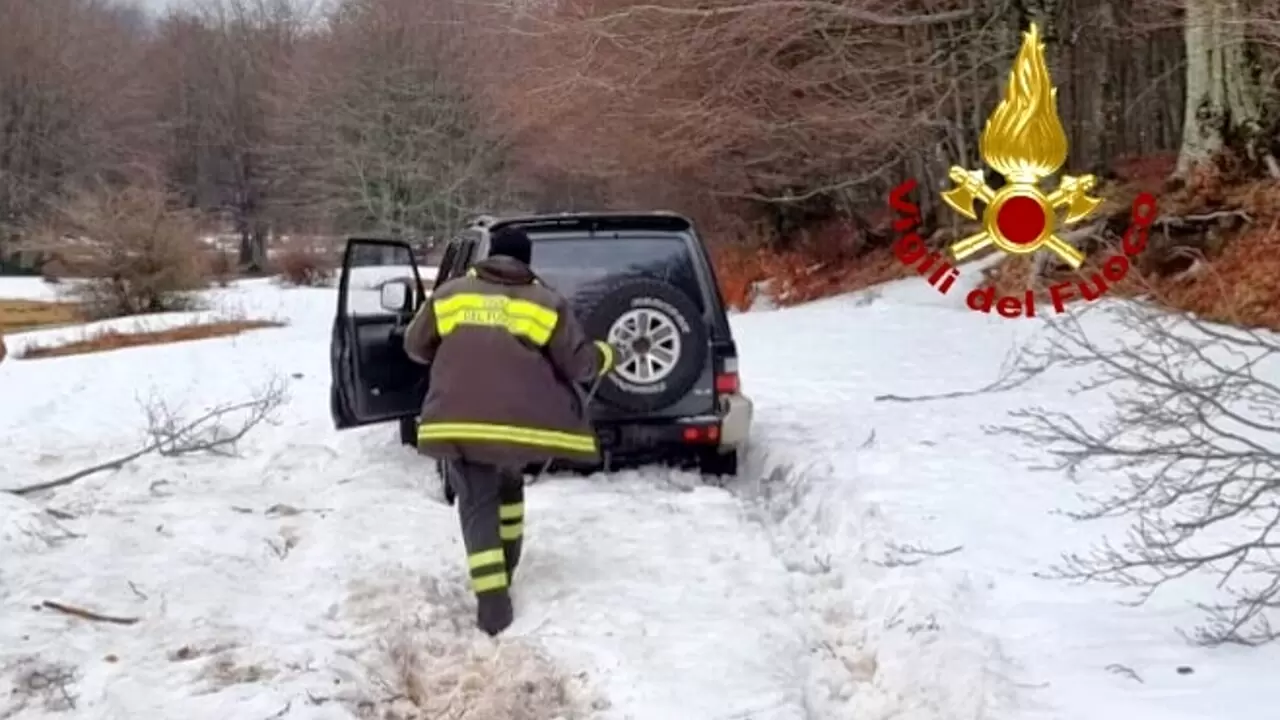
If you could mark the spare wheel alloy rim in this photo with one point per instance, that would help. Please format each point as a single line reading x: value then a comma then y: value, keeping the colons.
x: 648, y: 343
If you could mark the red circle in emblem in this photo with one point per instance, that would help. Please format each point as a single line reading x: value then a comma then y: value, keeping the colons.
x: 1020, y: 220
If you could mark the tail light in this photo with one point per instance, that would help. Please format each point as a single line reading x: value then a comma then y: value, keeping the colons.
x: 727, y: 378
x: 695, y: 434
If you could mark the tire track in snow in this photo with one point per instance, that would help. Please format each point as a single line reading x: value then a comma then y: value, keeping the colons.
x: 673, y: 601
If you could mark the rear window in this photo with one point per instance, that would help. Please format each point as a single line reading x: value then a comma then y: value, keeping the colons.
x: 582, y: 267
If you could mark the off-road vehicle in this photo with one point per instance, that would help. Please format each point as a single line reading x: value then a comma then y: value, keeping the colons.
x: 640, y: 279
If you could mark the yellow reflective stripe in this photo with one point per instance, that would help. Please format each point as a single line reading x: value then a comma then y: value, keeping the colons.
x: 486, y: 583
x: 606, y: 359
x: 511, y: 532
x: 584, y: 446
x: 485, y: 558
x: 507, y: 433
x: 511, y: 511
x: 518, y: 317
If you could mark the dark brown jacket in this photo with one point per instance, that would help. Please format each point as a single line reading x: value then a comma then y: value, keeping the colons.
x: 504, y: 351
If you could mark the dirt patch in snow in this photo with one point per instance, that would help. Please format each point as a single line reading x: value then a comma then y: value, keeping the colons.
x: 21, y: 315
x: 428, y: 661
x: 34, y: 683
x: 116, y: 339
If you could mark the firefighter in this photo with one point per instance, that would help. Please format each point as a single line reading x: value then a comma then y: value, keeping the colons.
x: 507, y: 360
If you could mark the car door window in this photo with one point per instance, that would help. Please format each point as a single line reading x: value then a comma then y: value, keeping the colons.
x: 372, y: 380
x: 368, y: 265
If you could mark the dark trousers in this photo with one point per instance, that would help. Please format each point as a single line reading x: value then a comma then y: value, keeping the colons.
x: 491, y: 512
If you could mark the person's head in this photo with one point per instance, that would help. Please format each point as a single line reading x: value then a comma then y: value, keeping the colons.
x: 511, y: 242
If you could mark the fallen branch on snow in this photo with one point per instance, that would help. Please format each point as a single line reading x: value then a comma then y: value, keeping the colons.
x: 87, y: 614
x: 1012, y: 376
x: 907, y: 555
x: 1125, y: 670
x: 172, y: 437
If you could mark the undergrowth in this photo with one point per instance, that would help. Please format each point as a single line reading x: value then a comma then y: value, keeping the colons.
x: 1224, y: 266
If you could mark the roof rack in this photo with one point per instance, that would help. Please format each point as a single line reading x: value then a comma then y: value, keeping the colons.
x: 601, y: 221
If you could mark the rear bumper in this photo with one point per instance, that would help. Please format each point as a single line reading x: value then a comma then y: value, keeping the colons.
x: 736, y: 412
x: 724, y: 431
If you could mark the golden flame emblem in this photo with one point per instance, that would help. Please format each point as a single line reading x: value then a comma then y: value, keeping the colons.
x: 1023, y: 141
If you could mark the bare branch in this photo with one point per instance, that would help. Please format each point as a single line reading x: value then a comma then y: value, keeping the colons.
x: 1190, y: 446
x: 842, y: 10
x: 172, y: 436
x: 87, y: 614
x: 1013, y: 374
x: 909, y: 555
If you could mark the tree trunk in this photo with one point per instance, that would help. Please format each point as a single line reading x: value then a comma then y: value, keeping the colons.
x: 1223, y: 102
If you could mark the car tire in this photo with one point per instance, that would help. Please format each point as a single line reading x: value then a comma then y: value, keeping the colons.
x: 717, y: 464
x: 409, y: 431
x: 660, y: 306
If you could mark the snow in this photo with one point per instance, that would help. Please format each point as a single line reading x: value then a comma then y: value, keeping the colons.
x: 316, y: 575
x: 711, y: 639
x: 973, y: 633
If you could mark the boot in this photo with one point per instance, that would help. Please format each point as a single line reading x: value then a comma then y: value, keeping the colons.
x: 493, y: 611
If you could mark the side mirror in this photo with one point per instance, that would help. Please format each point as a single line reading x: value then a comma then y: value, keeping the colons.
x: 396, y: 295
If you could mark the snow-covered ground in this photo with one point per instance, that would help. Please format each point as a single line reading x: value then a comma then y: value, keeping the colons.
x: 316, y: 576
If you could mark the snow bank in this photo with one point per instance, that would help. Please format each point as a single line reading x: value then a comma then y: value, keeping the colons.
x: 888, y: 639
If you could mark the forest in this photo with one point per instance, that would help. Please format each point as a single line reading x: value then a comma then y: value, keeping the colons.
x: 778, y: 125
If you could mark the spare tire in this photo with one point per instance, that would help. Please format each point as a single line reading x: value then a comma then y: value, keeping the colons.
x: 662, y: 340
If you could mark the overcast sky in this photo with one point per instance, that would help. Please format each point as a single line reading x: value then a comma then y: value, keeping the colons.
x: 160, y: 5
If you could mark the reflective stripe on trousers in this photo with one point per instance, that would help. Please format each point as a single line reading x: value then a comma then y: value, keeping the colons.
x: 511, y: 517
x: 521, y: 318
x: 488, y: 570
x: 513, y: 434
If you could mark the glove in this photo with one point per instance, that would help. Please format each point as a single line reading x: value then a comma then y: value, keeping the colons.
x: 608, y: 355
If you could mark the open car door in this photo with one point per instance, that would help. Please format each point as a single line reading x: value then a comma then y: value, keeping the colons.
x: 372, y: 379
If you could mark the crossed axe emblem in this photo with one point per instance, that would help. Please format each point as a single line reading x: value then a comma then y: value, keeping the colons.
x: 1019, y: 218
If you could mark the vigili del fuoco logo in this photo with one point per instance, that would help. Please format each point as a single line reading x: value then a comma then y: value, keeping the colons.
x: 1025, y: 143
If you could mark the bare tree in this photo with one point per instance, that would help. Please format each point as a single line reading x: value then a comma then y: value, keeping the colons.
x: 1190, y: 444
x: 215, y: 73
x: 801, y: 112
x: 65, y: 115
x: 798, y: 107
x: 137, y: 252
x: 1225, y: 102
x: 386, y: 133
